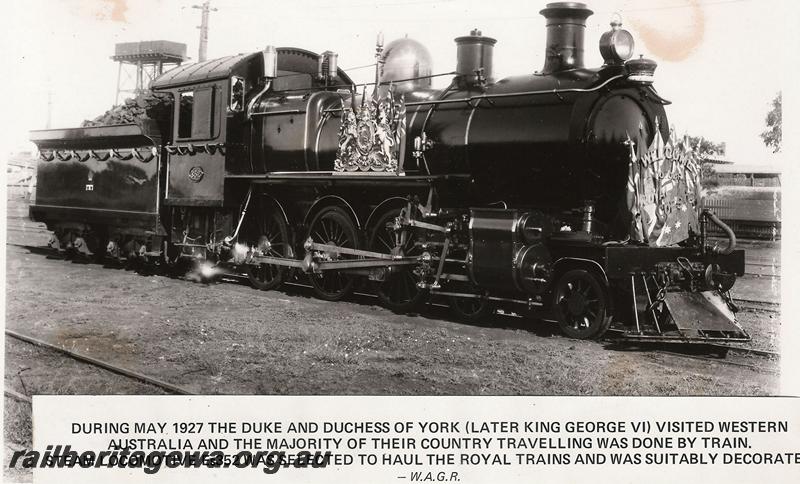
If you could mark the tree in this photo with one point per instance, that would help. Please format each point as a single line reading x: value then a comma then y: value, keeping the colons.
x: 704, y: 148
x: 772, y: 136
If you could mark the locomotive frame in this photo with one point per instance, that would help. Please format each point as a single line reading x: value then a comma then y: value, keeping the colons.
x: 488, y: 193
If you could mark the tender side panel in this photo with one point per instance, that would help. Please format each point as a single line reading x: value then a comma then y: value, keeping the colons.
x: 113, y: 185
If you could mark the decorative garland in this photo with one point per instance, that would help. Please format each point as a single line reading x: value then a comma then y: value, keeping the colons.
x: 67, y: 155
x: 189, y: 149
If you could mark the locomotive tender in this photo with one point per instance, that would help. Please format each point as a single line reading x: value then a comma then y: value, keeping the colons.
x: 560, y: 192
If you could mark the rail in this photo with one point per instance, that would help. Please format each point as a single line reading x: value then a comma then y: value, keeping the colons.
x: 169, y: 387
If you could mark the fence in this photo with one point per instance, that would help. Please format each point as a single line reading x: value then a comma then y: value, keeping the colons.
x: 749, y: 218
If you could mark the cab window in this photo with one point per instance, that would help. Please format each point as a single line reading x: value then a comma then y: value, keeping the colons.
x: 185, y: 114
x: 196, y: 113
x: 237, y: 94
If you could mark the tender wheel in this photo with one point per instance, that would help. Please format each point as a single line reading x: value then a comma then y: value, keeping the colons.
x: 268, y: 236
x: 174, y: 264
x: 113, y: 253
x: 581, y: 304
x: 332, y: 226
x: 399, y: 291
x: 471, y: 309
x: 98, y: 243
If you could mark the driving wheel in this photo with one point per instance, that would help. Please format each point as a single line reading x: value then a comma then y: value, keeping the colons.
x: 398, y: 291
x: 332, y: 226
x: 267, y: 236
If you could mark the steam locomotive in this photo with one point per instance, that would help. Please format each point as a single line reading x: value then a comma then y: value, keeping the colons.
x: 560, y: 193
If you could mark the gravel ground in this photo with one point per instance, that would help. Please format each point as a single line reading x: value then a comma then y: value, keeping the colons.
x: 229, y: 339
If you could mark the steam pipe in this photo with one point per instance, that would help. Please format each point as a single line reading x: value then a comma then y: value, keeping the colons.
x: 230, y: 238
x: 469, y: 100
x: 731, y: 236
x: 270, y: 57
x: 517, y: 94
x: 252, y: 104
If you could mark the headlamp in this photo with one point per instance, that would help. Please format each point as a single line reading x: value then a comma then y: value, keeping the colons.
x: 616, y: 45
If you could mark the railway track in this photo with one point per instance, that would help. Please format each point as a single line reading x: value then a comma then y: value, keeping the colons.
x: 727, y: 361
x: 756, y: 305
x: 90, y: 360
x: 763, y: 268
x: 751, y: 351
x: 711, y: 352
x: 757, y: 274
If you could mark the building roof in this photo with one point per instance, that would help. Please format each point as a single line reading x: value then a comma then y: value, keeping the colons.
x: 717, y: 159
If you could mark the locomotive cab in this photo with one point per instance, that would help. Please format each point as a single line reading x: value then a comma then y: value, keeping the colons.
x: 208, y: 101
x: 222, y: 106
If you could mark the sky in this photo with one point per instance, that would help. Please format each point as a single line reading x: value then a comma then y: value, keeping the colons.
x: 719, y: 61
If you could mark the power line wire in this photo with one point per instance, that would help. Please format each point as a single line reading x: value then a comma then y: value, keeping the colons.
x: 514, y: 17
x: 352, y: 5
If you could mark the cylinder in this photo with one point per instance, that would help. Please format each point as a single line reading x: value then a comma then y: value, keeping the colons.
x: 492, y: 246
x: 474, y: 58
x: 499, y: 257
x: 566, y: 23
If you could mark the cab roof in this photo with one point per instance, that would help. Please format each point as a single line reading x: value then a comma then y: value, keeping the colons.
x: 289, y: 59
x: 200, y: 71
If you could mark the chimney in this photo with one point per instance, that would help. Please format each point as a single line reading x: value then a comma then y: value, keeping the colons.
x: 566, y: 23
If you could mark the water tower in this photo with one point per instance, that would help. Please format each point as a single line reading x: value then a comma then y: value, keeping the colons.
x: 141, y: 62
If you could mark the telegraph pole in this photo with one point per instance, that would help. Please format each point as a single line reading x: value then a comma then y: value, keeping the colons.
x: 206, y: 9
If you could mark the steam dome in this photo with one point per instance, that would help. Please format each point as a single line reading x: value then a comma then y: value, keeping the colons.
x: 406, y: 59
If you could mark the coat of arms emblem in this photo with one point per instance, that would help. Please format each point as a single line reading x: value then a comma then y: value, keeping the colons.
x: 371, y: 135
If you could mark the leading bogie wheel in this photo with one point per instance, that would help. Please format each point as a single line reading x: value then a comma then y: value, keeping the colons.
x: 333, y: 226
x: 267, y: 236
x: 581, y: 304
x: 398, y: 291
